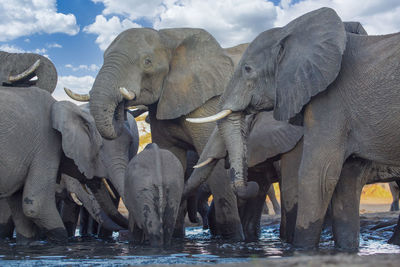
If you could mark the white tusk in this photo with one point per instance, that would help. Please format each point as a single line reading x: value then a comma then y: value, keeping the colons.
x: 126, y: 94
x: 218, y: 116
x: 108, y: 188
x: 27, y: 72
x: 76, y: 199
x: 77, y: 97
x: 202, y: 164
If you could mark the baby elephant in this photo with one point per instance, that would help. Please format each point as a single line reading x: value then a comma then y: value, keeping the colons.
x: 153, y: 191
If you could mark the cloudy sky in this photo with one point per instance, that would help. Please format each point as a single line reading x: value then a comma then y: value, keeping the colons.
x: 75, y: 33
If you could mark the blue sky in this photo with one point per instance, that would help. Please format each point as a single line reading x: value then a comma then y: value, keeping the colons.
x: 75, y: 33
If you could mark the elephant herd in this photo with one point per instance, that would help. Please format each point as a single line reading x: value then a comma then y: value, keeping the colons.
x: 311, y: 105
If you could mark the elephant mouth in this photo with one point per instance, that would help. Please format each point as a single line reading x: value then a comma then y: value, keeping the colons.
x: 26, y: 81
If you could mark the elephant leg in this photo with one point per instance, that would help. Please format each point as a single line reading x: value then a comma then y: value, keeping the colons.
x: 227, y: 215
x: 321, y: 164
x: 274, y: 201
x: 345, y: 206
x: 203, y: 194
x: 289, y: 166
x: 395, y: 239
x: 27, y: 232
x: 394, y: 189
x: 251, y: 211
x: 39, y: 203
x: 6, y: 221
x: 69, y: 215
x: 83, y: 222
x: 179, y: 229
x: 212, y: 221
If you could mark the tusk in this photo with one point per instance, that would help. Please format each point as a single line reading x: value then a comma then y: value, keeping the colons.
x: 202, y: 164
x: 26, y: 73
x: 77, y: 97
x: 76, y: 199
x: 126, y: 94
x: 85, y: 188
x: 212, y: 118
x: 108, y: 188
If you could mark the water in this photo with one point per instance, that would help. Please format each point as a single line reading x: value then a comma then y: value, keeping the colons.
x: 197, y: 248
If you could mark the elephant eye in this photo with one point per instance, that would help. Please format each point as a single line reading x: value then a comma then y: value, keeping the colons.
x: 247, y: 68
x: 147, y: 62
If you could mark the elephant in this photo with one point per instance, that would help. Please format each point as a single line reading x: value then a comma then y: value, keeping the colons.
x: 342, y: 87
x: 20, y: 69
x: 269, y: 142
x: 395, y: 190
x: 70, y: 192
x: 61, y: 131
x: 175, y: 73
x: 153, y: 189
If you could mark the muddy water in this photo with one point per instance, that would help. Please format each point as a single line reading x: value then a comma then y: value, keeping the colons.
x: 197, y: 248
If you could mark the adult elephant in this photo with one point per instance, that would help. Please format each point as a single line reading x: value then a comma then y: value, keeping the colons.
x: 176, y: 73
x: 43, y: 141
x: 343, y: 87
x: 20, y: 70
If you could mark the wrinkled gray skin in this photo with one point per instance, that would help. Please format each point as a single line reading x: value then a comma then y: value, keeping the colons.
x: 268, y: 141
x: 16, y: 63
x: 28, y: 135
x: 395, y: 190
x: 27, y: 232
x: 176, y: 73
x: 355, y: 174
x: 343, y: 87
x: 153, y: 190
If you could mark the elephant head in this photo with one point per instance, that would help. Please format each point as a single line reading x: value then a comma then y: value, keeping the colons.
x: 281, y: 70
x: 179, y: 69
x: 92, y: 155
x: 20, y: 70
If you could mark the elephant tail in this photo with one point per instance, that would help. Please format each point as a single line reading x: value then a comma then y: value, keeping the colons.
x: 159, y: 184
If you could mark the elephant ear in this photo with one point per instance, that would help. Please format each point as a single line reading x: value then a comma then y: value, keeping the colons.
x: 309, y: 57
x: 354, y: 27
x: 81, y: 140
x: 269, y: 138
x: 199, y: 70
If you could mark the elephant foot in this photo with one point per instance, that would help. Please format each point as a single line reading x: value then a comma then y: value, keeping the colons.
x: 232, y: 231
x: 57, y: 235
x: 288, y: 225
x: 27, y: 241
x: 346, y: 235
x: 308, y: 238
x: 395, y: 240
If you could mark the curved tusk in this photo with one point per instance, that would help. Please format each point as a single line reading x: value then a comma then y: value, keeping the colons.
x: 204, y: 163
x: 77, y: 97
x: 86, y: 189
x: 26, y: 73
x: 76, y: 199
x: 126, y: 94
x: 218, y: 116
x: 108, y: 188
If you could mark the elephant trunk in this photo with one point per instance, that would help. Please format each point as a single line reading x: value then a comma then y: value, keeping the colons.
x: 106, y: 203
x: 46, y: 72
x: 106, y: 103
x: 233, y: 131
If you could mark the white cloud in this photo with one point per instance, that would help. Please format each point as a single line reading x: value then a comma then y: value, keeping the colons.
x: 80, y: 85
x: 54, y: 45
x: 377, y: 17
x: 26, y: 17
x: 233, y: 22
x: 230, y: 22
x: 107, y: 30
x: 92, y: 67
x: 132, y: 9
x: 15, y: 49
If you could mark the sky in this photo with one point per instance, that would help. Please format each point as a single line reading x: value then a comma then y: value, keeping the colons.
x: 75, y: 33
